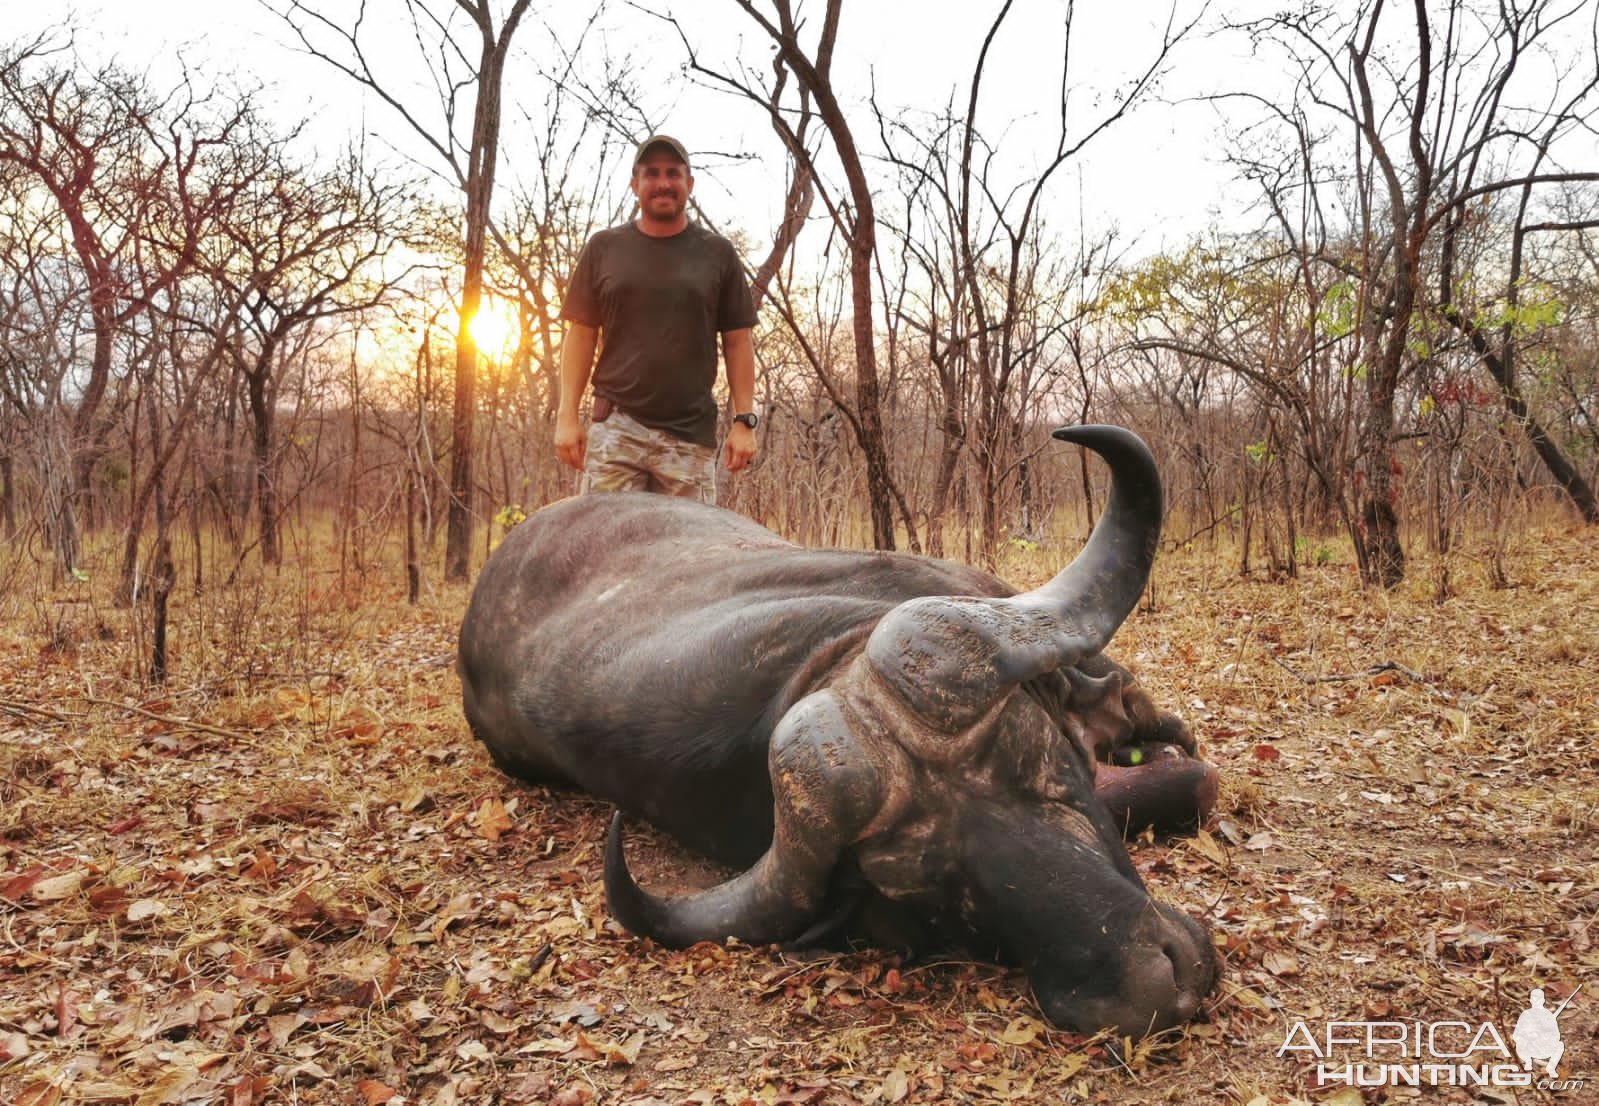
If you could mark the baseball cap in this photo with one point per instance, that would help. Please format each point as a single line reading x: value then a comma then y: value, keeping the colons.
x: 672, y: 145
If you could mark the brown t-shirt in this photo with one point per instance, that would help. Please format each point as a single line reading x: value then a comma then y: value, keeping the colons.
x: 659, y: 304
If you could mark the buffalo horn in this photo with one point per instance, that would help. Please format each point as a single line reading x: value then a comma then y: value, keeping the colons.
x: 825, y: 790
x: 1091, y: 597
x: 951, y: 657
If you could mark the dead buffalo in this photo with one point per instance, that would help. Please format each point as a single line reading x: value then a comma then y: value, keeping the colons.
x: 887, y: 745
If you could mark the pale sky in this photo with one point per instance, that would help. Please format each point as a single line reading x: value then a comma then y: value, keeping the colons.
x: 1157, y: 176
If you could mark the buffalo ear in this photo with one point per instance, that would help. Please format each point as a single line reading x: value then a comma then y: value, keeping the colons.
x: 825, y: 789
x: 1098, y: 705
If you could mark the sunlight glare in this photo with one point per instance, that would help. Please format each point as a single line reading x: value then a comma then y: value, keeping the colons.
x: 494, y: 327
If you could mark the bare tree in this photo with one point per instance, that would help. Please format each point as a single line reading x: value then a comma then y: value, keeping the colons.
x: 1425, y: 113
x: 1262, y: 311
x: 853, y: 213
x: 105, y: 150
x: 174, y: 371
x: 567, y: 169
x: 1498, y: 346
x: 42, y: 308
x: 467, y: 148
x: 303, y: 248
x: 176, y: 346
x: 995, y: 324
x: 1572, y: 360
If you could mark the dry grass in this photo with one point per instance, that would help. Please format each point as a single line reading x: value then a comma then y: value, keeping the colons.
x: 291, y: 877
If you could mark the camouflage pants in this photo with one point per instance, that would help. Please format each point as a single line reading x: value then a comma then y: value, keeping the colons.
x: 625, y: 455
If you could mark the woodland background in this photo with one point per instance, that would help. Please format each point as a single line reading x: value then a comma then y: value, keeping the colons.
x: 264, y: 407
x: 211, y: 331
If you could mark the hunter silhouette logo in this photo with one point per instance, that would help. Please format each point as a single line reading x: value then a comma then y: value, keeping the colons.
x: 1537, y: 1033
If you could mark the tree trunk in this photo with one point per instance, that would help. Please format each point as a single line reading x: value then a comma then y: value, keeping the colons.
x: 60, y: 512
x: 1382, y: 554
x: 949, y: 453
x: 8, y: 495
x: 1571, y: 481
x: 482, y: 157
x: 1379, y: 550
x: 458, y: 518
x: 413, y: 562
x: 196, y: 540
x: 797, y: 209
x: 266, y: 493
x: 347, y: 520
x: 868, y: 397
x: 1024, y: 479
x: 163, y: 575
x: 1576, y: 487
x: 87, y: 431
x: 988, y: 507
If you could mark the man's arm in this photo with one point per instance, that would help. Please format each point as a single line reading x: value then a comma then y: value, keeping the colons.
x: 738, y: 350
x: 577, y: 362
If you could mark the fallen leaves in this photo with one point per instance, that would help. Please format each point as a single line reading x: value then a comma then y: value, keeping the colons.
x: 1279, y: 962
x: 38, y: 1094
x: 375, y: 1092
x: 1022, y: 1031
x: 1208, y: 847
x: 317, y: 889
x: 145, y: 910
x: 895, y: 1086
x: 169, y: 1087
x: 21, y: 885
x: 56, y: 888
x: 493, y: 820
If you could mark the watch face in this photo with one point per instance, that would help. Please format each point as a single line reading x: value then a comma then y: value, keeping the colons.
x: 748, y: 420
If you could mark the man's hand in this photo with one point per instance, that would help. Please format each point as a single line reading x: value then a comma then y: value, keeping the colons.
x: 577, y: 361
x: 571, y: 444
x: 740, y: 447
x: 738, y: 350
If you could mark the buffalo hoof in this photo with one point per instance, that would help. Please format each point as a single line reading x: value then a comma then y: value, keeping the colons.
x: 1160, y: 791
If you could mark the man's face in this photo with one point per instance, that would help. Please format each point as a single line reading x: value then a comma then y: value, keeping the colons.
x: 663, y: 185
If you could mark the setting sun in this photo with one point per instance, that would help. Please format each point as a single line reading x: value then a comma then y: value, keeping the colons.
x: 495, y: 326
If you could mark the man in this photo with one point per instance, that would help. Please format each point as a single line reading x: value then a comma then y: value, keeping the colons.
x: 659, y: 290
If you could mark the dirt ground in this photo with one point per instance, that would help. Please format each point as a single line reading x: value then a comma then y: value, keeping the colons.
x: 292, y: 877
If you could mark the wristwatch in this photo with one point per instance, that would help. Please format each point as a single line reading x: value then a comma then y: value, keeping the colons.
x: 749, y: 419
